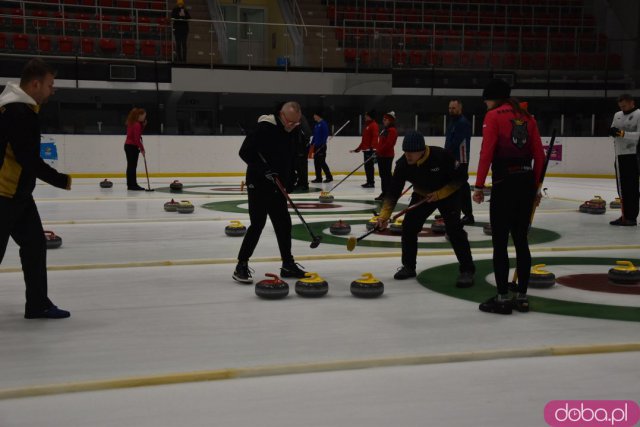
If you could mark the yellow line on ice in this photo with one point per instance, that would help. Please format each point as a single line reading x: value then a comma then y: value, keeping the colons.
x: 330, y: 366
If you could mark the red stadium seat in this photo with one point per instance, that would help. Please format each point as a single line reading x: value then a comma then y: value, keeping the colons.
x: 128, y: 47
x: 148, y: 48
x: 87, y: 46
x: 107, y: 46
x: 21, y: 42
x: 44, y: 44
x: 65, y: 44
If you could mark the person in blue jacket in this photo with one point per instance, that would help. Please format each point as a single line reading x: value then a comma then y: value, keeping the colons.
x: 457, y: 142
x: 319, y: 141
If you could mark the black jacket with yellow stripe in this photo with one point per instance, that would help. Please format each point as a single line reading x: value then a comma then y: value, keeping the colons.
x: 435, y: 172
x: 20, y: 161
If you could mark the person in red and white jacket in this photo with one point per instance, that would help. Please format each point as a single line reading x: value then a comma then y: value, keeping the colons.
x: 510, y: 143
x: 368, y: 147
x: 133, y: 146
x: 385, y: 152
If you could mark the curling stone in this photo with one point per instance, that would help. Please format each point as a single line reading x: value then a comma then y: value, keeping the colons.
x: 175, y: 186
x: 185, y: 207
x: 106, y: 184
x: 486, y: 229
x: 53, y: 241
x: 312, y: 286
x: 595, y: 206
x: 235, y: 229
x: 171, y: 206
x: 438, y: 226
x: 540, y: 279
x: 624, y: 274
x: 274, y: 288
x: 340, y: 228
x: 396, y: 226
x: 615, y: 204
x: 367, y: 287
x: 372, y: 223
x: 325, y: 197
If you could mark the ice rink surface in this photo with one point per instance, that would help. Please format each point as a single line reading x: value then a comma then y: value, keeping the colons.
x: 153, y: 302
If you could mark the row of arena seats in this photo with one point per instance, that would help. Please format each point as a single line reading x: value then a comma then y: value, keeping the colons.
x: 86, y: 46
x: 351, y: 15
x: 450, y: 59
x: 467, y: 3
x: 124, y: 4
x: 475, y: 40
x: 84, y: 24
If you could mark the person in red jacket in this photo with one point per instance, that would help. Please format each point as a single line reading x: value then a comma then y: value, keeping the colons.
x: 136, y: 121
x: 510, y: 143
x: 385, y: 153
x: 368, y: 146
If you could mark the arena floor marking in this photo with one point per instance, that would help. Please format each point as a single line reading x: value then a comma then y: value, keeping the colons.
x: 427, y: 239
x: 332, y: 366
x: 221, y: 189
x: 307, y: 206
x: 320, y: 257
x: 440, y: 279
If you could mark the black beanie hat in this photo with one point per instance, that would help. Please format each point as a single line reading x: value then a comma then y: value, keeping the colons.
x: 496, y: 89
x: 371, y: 114
x: 413, y: 141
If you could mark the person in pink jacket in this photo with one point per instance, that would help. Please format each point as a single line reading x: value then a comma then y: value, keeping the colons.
x: 133, y: 146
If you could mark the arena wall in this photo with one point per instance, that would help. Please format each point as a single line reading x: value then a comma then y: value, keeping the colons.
x: 103, y: 155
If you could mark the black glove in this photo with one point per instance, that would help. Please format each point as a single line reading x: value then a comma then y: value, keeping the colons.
x: 615, y: 132
x: 271, y: 176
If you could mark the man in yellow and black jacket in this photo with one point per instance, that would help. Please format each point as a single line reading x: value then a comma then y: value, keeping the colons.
x: 434, y: 175
x: 20, y: 165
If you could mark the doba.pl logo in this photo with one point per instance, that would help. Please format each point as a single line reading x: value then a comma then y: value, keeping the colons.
x: 592, y: 413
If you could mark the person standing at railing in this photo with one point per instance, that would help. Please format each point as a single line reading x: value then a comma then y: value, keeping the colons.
x: 180, y: 17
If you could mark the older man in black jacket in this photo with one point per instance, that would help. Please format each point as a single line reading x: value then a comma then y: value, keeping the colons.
x: 269, y: 154
x: 20, y: 165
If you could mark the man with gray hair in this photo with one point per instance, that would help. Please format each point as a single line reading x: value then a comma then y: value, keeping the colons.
x: 269, y: 154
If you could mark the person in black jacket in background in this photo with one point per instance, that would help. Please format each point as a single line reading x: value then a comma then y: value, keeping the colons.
x: 435, y: 177
x: 20, y: 165
x: 269, y: 153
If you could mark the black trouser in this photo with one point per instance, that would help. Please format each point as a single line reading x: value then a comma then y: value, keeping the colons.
x: 414, y: 220
x: 271, y: 202
x: 21, y: 221
x: 465, y: 192
x: 627, y: 175
x: 369, y: 169
x: 302, y: 171
x: 384, y: 169
x: 181, y: 47
x: 132, y: 153
x: 510, y: 212
x: 320, y: 163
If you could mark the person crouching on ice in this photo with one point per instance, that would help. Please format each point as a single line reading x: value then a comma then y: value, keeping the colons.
x: 434, y: 176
